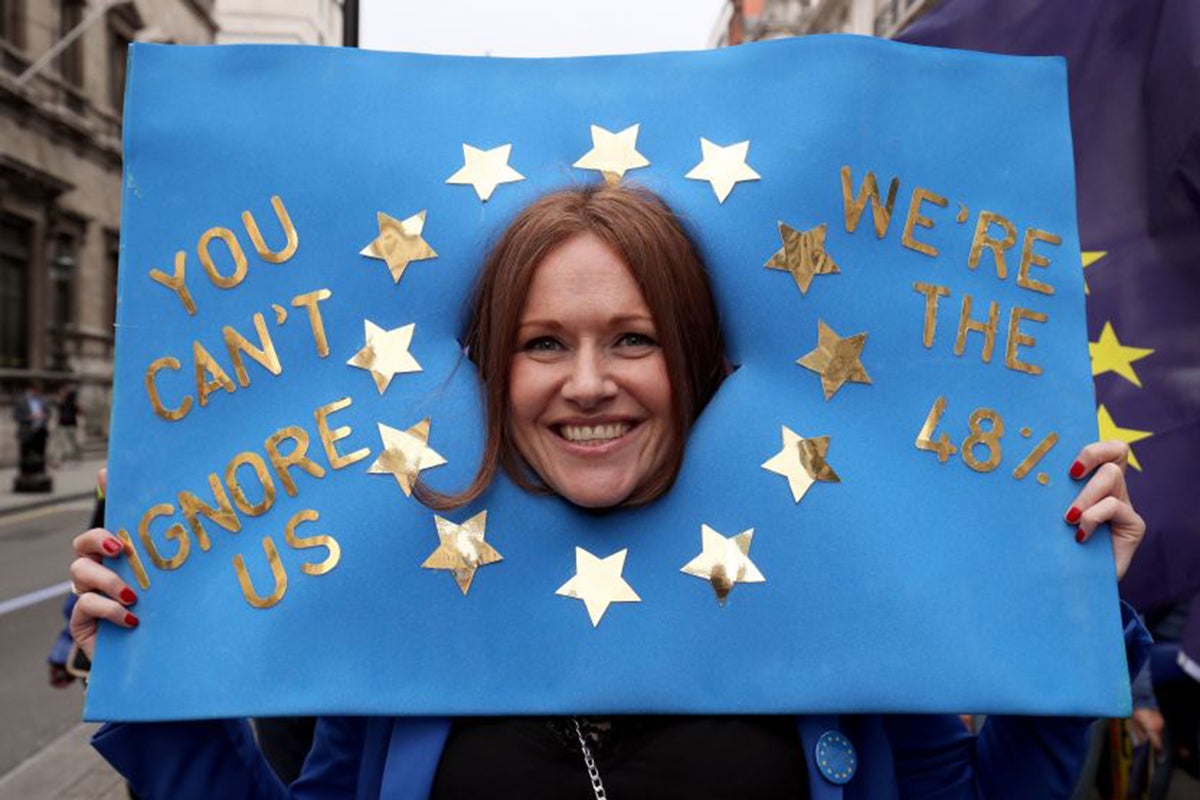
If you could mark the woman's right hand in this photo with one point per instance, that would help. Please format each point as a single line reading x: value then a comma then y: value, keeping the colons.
x: 102, y: 593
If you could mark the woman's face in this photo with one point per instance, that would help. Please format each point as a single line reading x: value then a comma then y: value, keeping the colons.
x: 590, y: 401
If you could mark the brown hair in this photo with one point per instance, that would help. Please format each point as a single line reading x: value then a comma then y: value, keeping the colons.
x: 650, y: 239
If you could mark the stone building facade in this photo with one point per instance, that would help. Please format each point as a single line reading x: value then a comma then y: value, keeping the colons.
x: 60, y: 175
x: 754, y: 20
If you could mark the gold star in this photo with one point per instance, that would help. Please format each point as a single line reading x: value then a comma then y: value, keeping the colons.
x: 722, y: 167
x: 485, y: 169
x: 803, y: 255
x: 1109, y: 430
x: 613, y: 154
x: 462, y: 549
x: 835, y: 359
x: 405, y: 454
x: 386, y: 353
x: 598, y: 583
x: 802, y: 462
x: 1109, y: 355
x: 1091, y: 257
x: 399, y: 242
x: 724, y: 561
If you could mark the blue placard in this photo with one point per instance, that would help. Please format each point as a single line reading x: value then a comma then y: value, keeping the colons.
x: 925, y: 565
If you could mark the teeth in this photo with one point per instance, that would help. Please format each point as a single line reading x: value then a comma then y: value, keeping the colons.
x: 594, y: 433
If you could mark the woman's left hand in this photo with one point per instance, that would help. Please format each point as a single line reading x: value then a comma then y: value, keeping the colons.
x: 1104, y: 498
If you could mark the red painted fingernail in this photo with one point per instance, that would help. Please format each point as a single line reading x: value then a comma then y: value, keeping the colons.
x: 131, y: 620
x: 1077, y: 469
x: 111, y: 546
x: 1073, y: 515
x: 1079, y: 535
x: 127, y: 596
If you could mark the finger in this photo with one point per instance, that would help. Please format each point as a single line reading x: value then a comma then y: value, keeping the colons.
x: 1109, y: 481
x: 93, y: 606
x: 97, y: 544
x: 1124, y: 522
x: 1097, y: 453
x: 88, y: 576
x: 102, y: 480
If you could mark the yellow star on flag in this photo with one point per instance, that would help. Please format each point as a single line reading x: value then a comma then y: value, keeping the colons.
x: 724, y: 561
x: 802, y: 462
x: 1091, y: 257
x: 462, y: 550
x: 1109, y: 430
x: 405, y: 454
x: 598, y: 583
x: 836, y: 359
x: 386, y: 353
x: 613, y: 154
x: 723, y: 167
x: 1109, y: 355
x: 399, y: 242
x: 803, y: 255
x: 485, y: 169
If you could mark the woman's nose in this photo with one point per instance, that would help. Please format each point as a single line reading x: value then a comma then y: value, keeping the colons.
x: 589, y: 382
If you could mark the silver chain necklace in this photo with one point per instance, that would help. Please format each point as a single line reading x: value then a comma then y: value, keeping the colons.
x: 593, y: 772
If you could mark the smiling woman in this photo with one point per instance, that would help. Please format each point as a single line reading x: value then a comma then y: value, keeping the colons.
x: 595, y: 332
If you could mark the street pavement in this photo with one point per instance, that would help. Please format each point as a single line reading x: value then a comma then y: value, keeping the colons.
x: 44, y: 750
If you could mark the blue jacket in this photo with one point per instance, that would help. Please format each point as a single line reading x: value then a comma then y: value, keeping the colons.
x: 898, y: 756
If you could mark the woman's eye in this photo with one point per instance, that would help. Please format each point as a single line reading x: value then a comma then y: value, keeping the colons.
x: 542, y: 344
x: 639, y: 340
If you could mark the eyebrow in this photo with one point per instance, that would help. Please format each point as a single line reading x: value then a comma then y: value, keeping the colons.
x: 553, y: 324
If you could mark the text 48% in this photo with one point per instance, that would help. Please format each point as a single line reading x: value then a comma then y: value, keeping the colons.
x: 984, y: 438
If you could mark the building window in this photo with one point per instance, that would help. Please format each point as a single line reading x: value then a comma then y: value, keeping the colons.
x: 12, y: 22
x: 112, y: 260
x: 15, y: 257
x: 118, y: 45
x: 70, y: 63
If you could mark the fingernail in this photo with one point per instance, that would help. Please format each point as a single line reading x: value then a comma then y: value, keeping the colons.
x: 1073, y: 515
x: 1077, y: 469
x: 1079, y: 535
x: 111, y: 546
x: 127, y: 596
x: 131, y: 620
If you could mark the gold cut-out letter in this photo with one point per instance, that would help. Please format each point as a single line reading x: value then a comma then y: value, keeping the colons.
x: 932, y: 292
x: 1032, y: 259
x: 322, y: 540
x: 289, y: 230
x: 915, y: 218
x: 983, y: 239
x: 254, y: 460
x: 134, y: 558
x: 207, y: 365
x: 309, y: 301
x: 193, y: 508
x: 176, y: 532
x: 329, y: 437
x: 265, y: 355
x: 854, y: 205
x: 1017, y: 339
x: 235, y: 250
x: 277, y: 572
x: 176, y: 283
x: 296, y: 458
x: 988, y: 329
x: 169, y: 414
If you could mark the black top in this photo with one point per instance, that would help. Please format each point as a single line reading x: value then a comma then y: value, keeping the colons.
x: 638, y: 757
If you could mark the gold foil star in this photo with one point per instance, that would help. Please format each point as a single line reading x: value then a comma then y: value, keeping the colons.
x: 598, y: 583
x: 485, y: 169
x: 386, y: 353
x: 802, y: 462
x: 613, y: 154
x: 803, y: 255
x: 1109, y: 355
x: 405, y: 454
x: 722, y: 167
x: 399, y: 242
x: 1109, y: 430
x: 462, y: 549
x: 835, y: 359
x: 724, y: 561
x: 1091, y: 257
